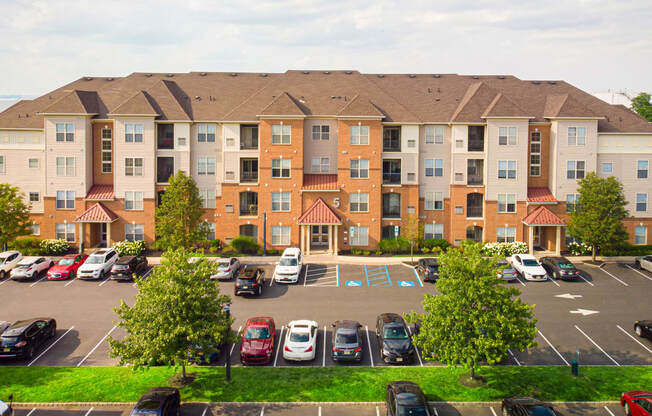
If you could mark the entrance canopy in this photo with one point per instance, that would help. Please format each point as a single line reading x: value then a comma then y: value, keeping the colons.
x: 319, y: 213
x: 97, y: 213
x: 543, y: 216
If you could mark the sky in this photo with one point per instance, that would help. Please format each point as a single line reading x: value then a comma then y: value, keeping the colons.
x: 593, y: 44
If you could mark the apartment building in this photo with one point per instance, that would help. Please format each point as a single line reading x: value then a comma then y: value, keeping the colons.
x: 324, y: 160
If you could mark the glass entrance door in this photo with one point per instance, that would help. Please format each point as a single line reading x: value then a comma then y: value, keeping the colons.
x: 319, y: 235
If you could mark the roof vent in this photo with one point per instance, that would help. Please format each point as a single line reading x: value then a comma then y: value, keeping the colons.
x: 333, y: 97
x: 501, y: 77
x: 202, y: 74
x: 536, y: 82
x: 170, y: 75
x: 412, y: 76
x: 148, y: 75
x: 197, y: 97
x: 436, y: 76
x: 234, y: 74
x: 326, y: 72
x: 306, y: 72
x: 110, y: 79
x: 263, y: 75
x: 476, y: 77
x: 436, y: 99
x: 381, y: 76
x: 552, y: 82
x: 89, y: 78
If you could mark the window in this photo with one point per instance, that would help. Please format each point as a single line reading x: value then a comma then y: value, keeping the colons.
x: 392, y: 171
x: 434, y: 167
x: 535, y: 154
x: 33, y: 163
x: 359, y: 134
x: 65, y: 166
x: 281, y: 168
x: 164, y: 169
x: 320, y: 132
x: 206, y: 133
x: 65, y: 232
x: 506, y: 234
x: 434, y: 201
x: 607, y: 168
x: 65, y: 132
x: 281, y: 134
x: 506, y: 169
x: 476, y: 139
x: 134, y: 166
x: 320, y: 165
x: 2, y: 164
x: 248, y: 203
x: 640, y: 234
x: 359, y: 202
x: 575, y: 169
x: 434, y: 134
x: 249, y: 230
x: 389, y: 232
x: 248, y: 170
x: 211, y: 230
x: 474, y: 205
x: 207, y: 197
x: 572, y: 202
x: 433, y: 231
x: 165, y: 136
x: 34, y: 197
x: 474, y: 171
x: 507, y: 136
x: 134, y: 232
x: 576, y: 136
x: 359, y: 236
x: 359, y: 168
x: 281, y: 235
x: 280, y: 201
x: 133, y: 133
x: 35, y: 229
x: 392, y: 205
x: 65, y: 199
x: 641, y: 202
x: 391, y: 139
x: 506, y: 202
x: 206, y: 166
x: 133, y: 200
x: 642, y: 169
x: 459, y: 177
x: 249, y: 137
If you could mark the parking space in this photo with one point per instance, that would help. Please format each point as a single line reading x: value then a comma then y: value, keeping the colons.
x: 321, y: 275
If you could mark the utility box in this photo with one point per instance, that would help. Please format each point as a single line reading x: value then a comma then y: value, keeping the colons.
x: 575, y: 368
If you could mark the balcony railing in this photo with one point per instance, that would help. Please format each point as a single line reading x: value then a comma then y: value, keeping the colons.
x: 392, y: 178
x: 250, y: 210
x: 474, y: 180
x: 474, y: 212
x: 249, y: 144
x: 248, y: 176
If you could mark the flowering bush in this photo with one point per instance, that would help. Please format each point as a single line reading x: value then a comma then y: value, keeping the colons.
x: 505, y: 249
x: 55, y: 247
x: 130, y: 248
x: 579, y: 249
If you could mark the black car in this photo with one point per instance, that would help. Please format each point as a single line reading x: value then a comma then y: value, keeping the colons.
x: 347, y: 341
x: 250, y: 281
x: 394, y: 339
x: 405, y: 398
x: 559, y: 268
x: 526, y: 406
x: 24, y: 338
x: 126, y: 266
x: 643, y: 328
x: 428, y: 269
x: 159, y: 401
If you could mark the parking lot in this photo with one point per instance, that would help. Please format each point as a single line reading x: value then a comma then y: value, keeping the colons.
x: 590, y: 319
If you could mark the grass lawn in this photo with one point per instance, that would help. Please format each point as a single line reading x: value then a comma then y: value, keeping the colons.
x: 118, y: 384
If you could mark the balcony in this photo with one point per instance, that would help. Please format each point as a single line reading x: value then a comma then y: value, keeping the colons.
x: 392, y: 205
x: 474, y: 205
x: 391, y: 139
x: 248, y: 170
x: 391, y: 172
x: 476, y: 139
x: 248, y: 203
x: 475, y: 172
x: 165, y: 136
x: 249, y: 137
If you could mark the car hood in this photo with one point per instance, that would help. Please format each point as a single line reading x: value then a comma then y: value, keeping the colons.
x: 287, y: 269
x: 533, y: 269
x: 91, y: 267
x: 397, y: 346
x: 256, y: 346
x: 57, y: 268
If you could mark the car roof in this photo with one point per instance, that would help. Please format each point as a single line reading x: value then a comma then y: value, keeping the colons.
x: 102, y: 252
x: 645, y: 322
x: 430, y: 261
x: 527, y: 401
x: 18, y: 326
x: 559, y: 259
x: 158, y: 393
x: 526, y: 256
x: 71, y: 256
x: 346, y: 324
x: 407, y: 392
x: 9, y: 253
x: 302, y: 322
x: 391, y: 317
x: 125, y: 259
x: 249, y: 272
x: 29, y: 260
x: 260, y: 320
x: 291, y: 252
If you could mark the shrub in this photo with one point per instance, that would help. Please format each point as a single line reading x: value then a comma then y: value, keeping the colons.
x: 356, y: 251
x: 244, y: 244
x: 504, y: 249
x: 579, y: 249
x: 55, y: 247
x: 28, y: 246
x: 436, y: 250
x: 130, y: 248
x: 436, y: 242
x: 425, y: 250
x: 229, y: 250
x: 215, y: 245
x: 379, y: 253
x: 394, y: 245
x: 366, y: 252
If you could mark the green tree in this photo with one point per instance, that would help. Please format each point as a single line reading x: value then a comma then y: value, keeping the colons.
x: 476, y: 319
x: 598, y: 217
x: 14, y: 214
x: 412, y: 231
x: 178, y: 219
x: 641, y: 104
x: 178, y: 313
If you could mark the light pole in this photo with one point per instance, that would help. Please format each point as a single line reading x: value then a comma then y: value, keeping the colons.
x: 227, y: 309
x: 264, y: 233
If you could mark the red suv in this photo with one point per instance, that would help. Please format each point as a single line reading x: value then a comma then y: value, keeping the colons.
x: 258, y: 341
x: 67, y: 267
x: 637, y: 403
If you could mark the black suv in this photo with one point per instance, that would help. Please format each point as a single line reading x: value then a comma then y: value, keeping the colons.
x: 24, y: 338
x: 406, y: 398
x: 347, y: 341
x: 250, y: 281
x: 559, y: 268
x: 127, y: 266
x: 428, y: 269
x: 394, y: 339
x: 160, y: 401
x: 517, y: 406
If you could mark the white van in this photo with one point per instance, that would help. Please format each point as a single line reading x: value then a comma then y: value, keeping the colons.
x: 288, y: 268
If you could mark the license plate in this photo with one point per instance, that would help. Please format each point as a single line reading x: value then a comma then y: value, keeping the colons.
x: 348, y: 352
x: 245, y: 287
x: 398, y: 360
x: 7, y: 349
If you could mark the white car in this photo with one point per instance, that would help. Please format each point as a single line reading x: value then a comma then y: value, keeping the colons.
x: 529, y: 267
x: 288, y: 268
x: 4, y: 325
x: 227, y: 269
x: 300, y: 341
x: 98, y: 265
x: 644, y: 263
x: 31, y: 268
x: 8, y: 260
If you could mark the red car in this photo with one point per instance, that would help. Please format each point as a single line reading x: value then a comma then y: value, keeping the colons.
x: 258, y: 341
x: 67, y: 267
x: 637, y: 403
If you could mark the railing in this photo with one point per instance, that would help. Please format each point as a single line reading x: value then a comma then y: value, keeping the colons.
x: 474, y: 180
x: 248, y: 176
x: 250, y: 210
x: 392, y: 178
x: 249, y: 145
x: 474, y: 212
x: 476, y: 145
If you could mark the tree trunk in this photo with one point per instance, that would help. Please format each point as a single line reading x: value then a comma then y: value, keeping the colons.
x: 472, y: 371
x: 412, y: 252
x: 183, y: 371
x: 593, y: 252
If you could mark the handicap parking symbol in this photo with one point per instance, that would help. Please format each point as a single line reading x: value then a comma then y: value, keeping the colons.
x: 406, y: 283
x: 353, y: 283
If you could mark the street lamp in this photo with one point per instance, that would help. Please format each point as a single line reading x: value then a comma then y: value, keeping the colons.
x: 227, y: 309
x: 264, y: 233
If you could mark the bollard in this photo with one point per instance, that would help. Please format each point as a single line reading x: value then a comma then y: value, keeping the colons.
x: 575, y: 368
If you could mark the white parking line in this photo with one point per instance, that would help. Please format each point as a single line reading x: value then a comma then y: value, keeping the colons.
x: 639, y: 272
x: 305, y: 274
x: 89, y: 411
x: 148, y: 273
x: 4, y: 281
x: 262, y: 411
x: 513, y: 356
x: 554, y: 281
x: 104, y: 281
x: 594, y: 343
x: 323, y: 363
x: 271, y: 281
x: 95, y: 347
x: 45, y: 276
x: 51, y: 345
x: 71, y: 280
x: 635, y: 340
x: 371, y: 355
x: 31, y: 411
x: 434, y: 409
x: 553, y: 348
x: 580, y: 276
x: 204, y: 412
x: 233, y: 345
x: 493, y: 412
x: 416, y: 349
x: 280, y: 338
x: 613, y: 276
x: 319, y: 412
x: 520, y: 281
x: 608, y: 411
x: 377, y: 411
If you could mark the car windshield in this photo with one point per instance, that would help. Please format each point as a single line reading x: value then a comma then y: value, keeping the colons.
x: 66, y: 262
x: 539, y: 411
x: 2, y: 259
x: 149, y: 405
x: 566, y: 266
x: 530, y: 262
x: 95, y: 260
x: 223, y: 265
x: 288, y: 262
x: 246, y: 279
x: 346, y: 338
x: 257, y: 333
x: 433, y: 267
x: 395, y: 332
x: 412, y: 411
x: 299, y: 337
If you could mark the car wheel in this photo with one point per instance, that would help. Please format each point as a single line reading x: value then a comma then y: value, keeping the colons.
x: 3, y: 274
x: 30, y: 352
x: 72, y: 275
x: 557, y: 276
x: 628, y: 411
x: 638, y: 330
x: 53, y: 331
x: 260, y: 290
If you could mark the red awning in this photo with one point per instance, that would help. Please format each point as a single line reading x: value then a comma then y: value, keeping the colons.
x: 314, y: 182
x: 540, y: 194
x: 100, y: 193
x: 97, y: 213
x: 319, y: 213
x: 542, y: 216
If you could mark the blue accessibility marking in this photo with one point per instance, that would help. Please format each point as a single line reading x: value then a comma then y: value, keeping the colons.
x: 353, y: 283
x: 377, y: 276
x: 406, y: 283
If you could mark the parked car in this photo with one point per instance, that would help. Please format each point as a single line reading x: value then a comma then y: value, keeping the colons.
x: 301, y: 341
x: 505, y: 271
x: 66, y: 268
x: 6, y: 409
x: 637, y: 403
x: 126, y: 266
x: 251, y: 281
x: 8, y: 260
x: 30, y: 268
x: 208, y: 356
x: 428, y: 269
x: 559, y: 268
x: 643, y: 328
x: 98, y: 264
x: 25, y: 338
x: 347, y: 341
x: 527, y: 266
x: 159, y: 401
x: 405, y: 398
x: 227, y: 269
x: 394, y: 339
x: 257, y: 342
x: 523, y: 406
x: 4, y: 325
x: 644, y: 263
x: 288, y: 268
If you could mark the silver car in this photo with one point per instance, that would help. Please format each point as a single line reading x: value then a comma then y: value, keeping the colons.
x: 227, y: 269
x: 508, y: 273
x: 644, y: 263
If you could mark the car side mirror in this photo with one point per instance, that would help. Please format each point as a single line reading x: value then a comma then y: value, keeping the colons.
x: 332, y: 325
